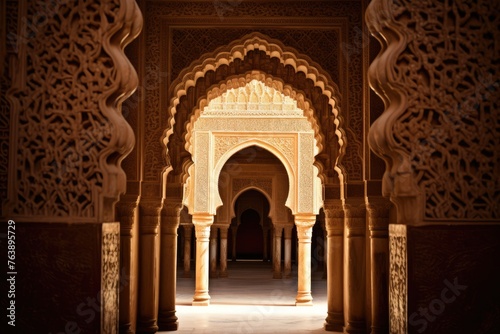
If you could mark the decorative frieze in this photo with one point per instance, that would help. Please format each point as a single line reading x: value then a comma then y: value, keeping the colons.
x: 398, y: 292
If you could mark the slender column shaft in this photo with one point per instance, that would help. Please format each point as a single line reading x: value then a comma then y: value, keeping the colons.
x: 147, y: 310
x: 378, y: 223
x: 202, y: 225
x: 170, y: 219
x: 187, y: 250
x: 304, y: 225
x: 223, y: 251
x: 213, y: 252
x: 265, y: 232
x: 288, y: 251
x: 127, y: 212
x: 234, y: 230
x: 354, y: 267
x: 334, y: 221
x: 277, y: 252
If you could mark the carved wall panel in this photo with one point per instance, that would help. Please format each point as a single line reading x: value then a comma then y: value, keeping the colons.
x: 70, y: 134
x: 445, y: 122
x: 265, y: 184
x: 110, y: 276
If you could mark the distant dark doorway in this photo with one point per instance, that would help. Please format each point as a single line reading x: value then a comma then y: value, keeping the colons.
x: 249, y: 238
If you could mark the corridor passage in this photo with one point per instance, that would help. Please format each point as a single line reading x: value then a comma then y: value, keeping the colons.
x: 250, y: 301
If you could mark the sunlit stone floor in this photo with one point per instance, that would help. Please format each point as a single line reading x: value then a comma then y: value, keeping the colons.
x: 250, y: 301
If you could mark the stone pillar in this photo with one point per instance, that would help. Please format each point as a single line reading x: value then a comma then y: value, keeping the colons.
x: 213, y: 252
x: 127, y: 214
x: 378, y: 223
x: 304, y: 225
x: 223, y: 250
x: 187, y: 250
x: 234, y: 230
x: 277, y: 252
x: 354, y: 266
x: 265, y: 232
x: 170, y: 219
x: 325, y: 252
x: 334, y: 222
x: 288, y: 251
x: 202, y: 223
x: 149, y: 243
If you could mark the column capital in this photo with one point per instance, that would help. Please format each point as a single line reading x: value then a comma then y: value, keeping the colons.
x: 305, y: 220
x: 126, y: 213
x: 149, y: 216
x: 378, y: 209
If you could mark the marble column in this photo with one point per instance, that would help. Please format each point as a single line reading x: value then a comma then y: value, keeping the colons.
x: 304, y: 225
x: 213, y: 252
x: 354, y: 266
x: 277, y: 252
x: 223, y: 250
x: 288, y: 251
x: 378, y: 224
x: 149, y: 266
x: 334, y: 223
x: 202, y: 223
x: 187, y: 250
x: 170, y: 219
x: 234, y: 230
x: 127, y: 210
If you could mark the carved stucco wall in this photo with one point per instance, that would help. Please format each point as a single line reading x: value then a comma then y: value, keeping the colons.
x: 438, y: 75
x: 442, y: 120
x: 67, y: 134
x: 323, y: 31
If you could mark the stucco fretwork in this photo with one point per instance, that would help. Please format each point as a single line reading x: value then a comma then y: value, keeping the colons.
x: 70, y: 135
x: 266, y: 184
x: 439, y: 132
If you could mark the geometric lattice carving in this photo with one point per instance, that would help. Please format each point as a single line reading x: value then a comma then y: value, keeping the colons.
x: 70, y: 133
x: 397, y: 279
x: 447, y: 122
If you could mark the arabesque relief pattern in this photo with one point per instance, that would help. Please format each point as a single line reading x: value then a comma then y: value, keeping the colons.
x: 70, y: 134
x: 447, y: 122
x: 110, y: 276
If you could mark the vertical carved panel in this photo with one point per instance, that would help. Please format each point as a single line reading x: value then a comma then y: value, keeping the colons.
x: 110, y: 276
x: 398, y: 279
x: 70, y: 134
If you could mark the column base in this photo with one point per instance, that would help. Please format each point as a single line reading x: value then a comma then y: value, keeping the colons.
x: 146, y: 327
x: 223, y: 274
x: 187, y: 274
x: 201, y: 302
x: 168, y: 321
x: 303, y: 299
x: 355, y: 327
x: 334, y: 322
x: 213, y: 274
x: 277, y: 276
